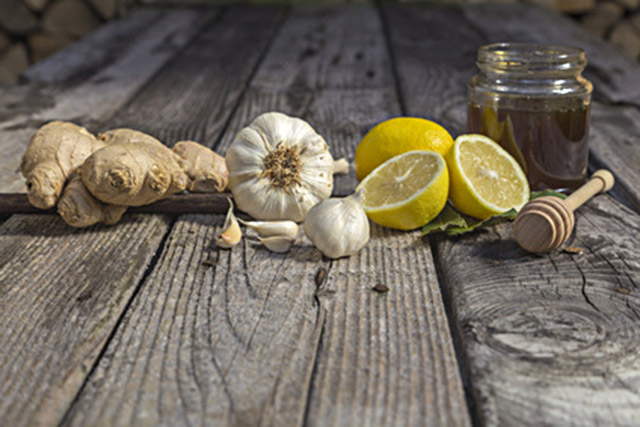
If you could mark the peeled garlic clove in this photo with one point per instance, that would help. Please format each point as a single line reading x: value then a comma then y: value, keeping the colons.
x: 338, y: 226
x: 231, y: 234
x: 272, y: 228
x: 277, y: 243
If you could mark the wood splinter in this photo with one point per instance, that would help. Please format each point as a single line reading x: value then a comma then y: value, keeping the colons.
x: 544, y: 224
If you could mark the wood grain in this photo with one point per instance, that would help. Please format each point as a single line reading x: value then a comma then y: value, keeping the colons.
x: 551, y: 340
x: 434, y: 59
x: 386, y: 358
x: 204, y: 83
x: 83, y: 58
x: 613, y: 140
x: 61, y: 292
x: 215, y: 336
x: 548, y: 340
x: 39, y: 392
x: 236, y: 342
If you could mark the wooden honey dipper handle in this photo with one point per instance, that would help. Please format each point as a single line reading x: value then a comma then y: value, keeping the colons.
x: 545, y: 223
x: 601, y: 181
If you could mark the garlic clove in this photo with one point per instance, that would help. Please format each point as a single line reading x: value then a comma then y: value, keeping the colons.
x: 273, y: 228
x: 277, y: 243
x: 231, y: 233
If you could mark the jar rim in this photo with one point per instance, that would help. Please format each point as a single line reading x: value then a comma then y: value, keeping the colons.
x: 532, y: 56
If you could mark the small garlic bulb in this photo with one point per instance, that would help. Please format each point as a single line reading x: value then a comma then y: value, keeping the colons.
x: 279, y: 168
x: 338, y: 226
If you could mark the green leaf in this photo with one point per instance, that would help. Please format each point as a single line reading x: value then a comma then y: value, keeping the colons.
x: 453, y: 223
x: 474, y: 224
x: 448, y: 217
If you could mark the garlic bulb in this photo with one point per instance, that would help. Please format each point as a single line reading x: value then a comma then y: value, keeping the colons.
x: 279, y: 168
x: 338, y: 226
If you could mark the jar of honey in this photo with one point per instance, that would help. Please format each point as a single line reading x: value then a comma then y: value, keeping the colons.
x: 533, y: 100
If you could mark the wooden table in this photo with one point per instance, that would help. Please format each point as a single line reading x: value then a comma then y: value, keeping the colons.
x: 146, y: 322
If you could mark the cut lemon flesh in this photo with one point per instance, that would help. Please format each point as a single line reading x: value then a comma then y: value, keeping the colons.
x: 485, y: 179
x: 406, y: 191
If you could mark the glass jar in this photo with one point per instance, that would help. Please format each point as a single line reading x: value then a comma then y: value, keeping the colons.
x: 533, y: 100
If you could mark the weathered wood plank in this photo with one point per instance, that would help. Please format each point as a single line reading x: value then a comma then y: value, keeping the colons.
x: 616, y: 77
x: 61, y: 292
x: 613, y: 141
x: 244, y: 294
x: 434, y: 60
x: 552, y: 340
x: 548, y: 340
x: 214, y: 336
x: 97, y: 97
x: 204, y: 83
x: 46, y: 390
x: 310, y: 54
x: 94, y: 51
x: 386, y: 358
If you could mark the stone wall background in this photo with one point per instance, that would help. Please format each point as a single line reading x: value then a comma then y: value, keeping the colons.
x: 31, y: 30
x: 617, y: 21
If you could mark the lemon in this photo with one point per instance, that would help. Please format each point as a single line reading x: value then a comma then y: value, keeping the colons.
x: 406, y: 191
x: 397, y: 136
x: 485, y: 179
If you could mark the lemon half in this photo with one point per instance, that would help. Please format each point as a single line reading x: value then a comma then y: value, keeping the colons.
x: 397, y: 136
x: 406, y: 191
x: 485, y: 179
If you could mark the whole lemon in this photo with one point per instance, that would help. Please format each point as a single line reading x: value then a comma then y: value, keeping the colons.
x: 397, y: 136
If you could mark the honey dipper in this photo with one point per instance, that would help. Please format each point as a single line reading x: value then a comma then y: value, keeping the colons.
x: 544, y: 224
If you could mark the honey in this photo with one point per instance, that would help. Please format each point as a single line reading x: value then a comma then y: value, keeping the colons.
x: 534, y: 102
x: 551, y: 147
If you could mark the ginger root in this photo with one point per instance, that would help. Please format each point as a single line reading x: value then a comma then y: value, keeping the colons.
x: 79, y: 208
x: 55, y: 151
x: 133, y: 174
x: 126, y: 135
x: 206, y: 169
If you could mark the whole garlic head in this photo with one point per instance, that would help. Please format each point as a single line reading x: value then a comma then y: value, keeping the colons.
x: 338, y: 226
x: 279, y: 168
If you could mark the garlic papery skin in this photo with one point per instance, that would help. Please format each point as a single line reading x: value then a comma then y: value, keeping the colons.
x: 283, y: 228
x: 279, y: 168
x: 231, y: 233
x: 277, y: 243
x: 338, y: 226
